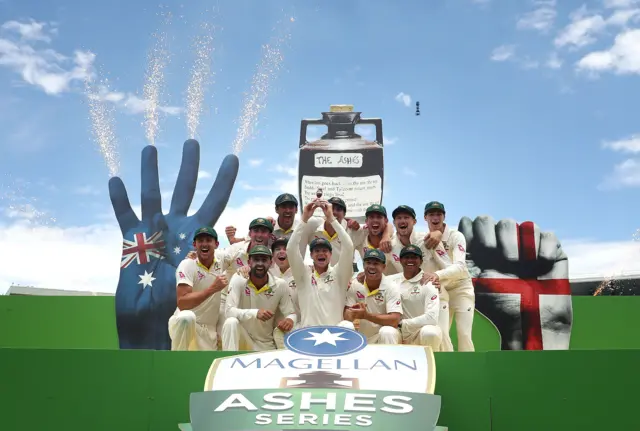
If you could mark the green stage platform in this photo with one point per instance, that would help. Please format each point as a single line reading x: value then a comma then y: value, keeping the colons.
x: 60, y: 369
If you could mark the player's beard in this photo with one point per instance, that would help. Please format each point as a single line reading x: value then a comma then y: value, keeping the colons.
x: 259, y: 271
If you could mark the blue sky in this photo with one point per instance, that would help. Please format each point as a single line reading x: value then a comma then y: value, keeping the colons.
x: 526, y: 111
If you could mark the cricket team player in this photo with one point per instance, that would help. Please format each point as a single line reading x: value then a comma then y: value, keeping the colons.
x: 200, y: 284
x: 251, y: 306
x: 376, y: 233
x: 420, y: 302
x: 457, y: 286
x: 282, y: 270
x: 322, y: 228
x: 321, y: 289
x: 286, y: 206
x: 237, y: 255
x: 376, y: 302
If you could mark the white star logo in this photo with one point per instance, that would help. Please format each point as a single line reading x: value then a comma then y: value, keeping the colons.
x: 177, y: 250
x: 326, y: 337
x: 146, y: 279
x: 182, y: 236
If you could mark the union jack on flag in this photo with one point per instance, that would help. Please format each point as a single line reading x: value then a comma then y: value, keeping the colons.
x: 142, y: 249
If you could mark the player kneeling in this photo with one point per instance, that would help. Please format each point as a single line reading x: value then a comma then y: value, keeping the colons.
x: 420, y: 302
x: 376, y: 302
x: 252, y: 303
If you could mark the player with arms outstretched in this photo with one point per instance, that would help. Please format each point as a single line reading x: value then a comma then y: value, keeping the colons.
x: 321, y: 289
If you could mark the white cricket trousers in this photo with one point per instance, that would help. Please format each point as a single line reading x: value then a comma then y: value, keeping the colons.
x: 428, y: 335
x: 187, y: 334
x: 386, y: 335
x: 236, y: 338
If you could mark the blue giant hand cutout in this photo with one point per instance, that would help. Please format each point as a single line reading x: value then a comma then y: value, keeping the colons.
x: 154, y: 246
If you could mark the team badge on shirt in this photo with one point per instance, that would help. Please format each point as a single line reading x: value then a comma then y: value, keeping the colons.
x: 200, y: 275
x: 292, y: 284
x: 379, y: 297
x: 329, y: 279
x: 415, y: 290
x: 269, y: 293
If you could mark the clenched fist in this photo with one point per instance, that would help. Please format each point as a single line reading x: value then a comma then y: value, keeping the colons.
x: 521, y: 280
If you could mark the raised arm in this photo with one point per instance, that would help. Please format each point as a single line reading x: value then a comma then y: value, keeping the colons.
x: 431, y: 311
x: 236, y: 288
x: 296, y: 258
x: 344, y: 267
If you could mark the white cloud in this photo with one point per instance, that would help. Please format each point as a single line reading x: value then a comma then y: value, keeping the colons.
x: 623, y: 57
x: 389, y: 140
x: 73, y: 252
x: 627, y: 145
x: 403, y: 98
x: 620, y: 4
x: 409, y: 172
x: 47, y: 69
x: 32, y: 30
x: 203, y: 174
x: 503, y: 53
x: 255, y: 162
x: 585, y: 27
x: 625, y: 174
x: 129, y: 103
x: 541, y: 18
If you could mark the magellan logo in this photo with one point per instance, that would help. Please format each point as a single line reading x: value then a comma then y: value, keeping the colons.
x: 325, y: 341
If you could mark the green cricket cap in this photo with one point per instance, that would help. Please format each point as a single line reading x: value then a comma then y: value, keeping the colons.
x: 433, y: 205
x: 320, y: 242
x: 206, y: 230
x: 375, y: 208
x: 260, y: 250
x: 339, y: 202
x: 261, y: 222
x: 286, y: 198
x: 404, y: 209
x: 374, y: 253
x: 411, y: 249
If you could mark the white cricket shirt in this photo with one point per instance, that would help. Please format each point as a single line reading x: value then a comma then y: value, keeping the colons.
x: 362, y: 244
x: 383, y: 300
x: 456, y: 274
x: 420, y: 303
x: 321, y: 296
x: 245, y: 299
x: 194, y: 274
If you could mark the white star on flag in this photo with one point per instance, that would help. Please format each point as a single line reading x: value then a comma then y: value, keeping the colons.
x: 326, y: 337
x: 182, y: 236
x: 177, y: 250
x: 146, y: 279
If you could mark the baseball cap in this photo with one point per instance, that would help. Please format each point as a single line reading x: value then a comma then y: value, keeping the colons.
x: 406, y: 209
x: 283, y: 240
x: 206, y: 230
x: 260, y: 250
x: 374, y: 253
x: 320, y: 242
x: 339, y: 202
x: 286, y: 198
x: 375, y: 208
x: 261, y: 222
x: 433, y: 205
x: 411, y: 249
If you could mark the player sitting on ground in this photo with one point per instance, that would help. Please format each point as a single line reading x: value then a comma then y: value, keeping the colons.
x: 251, y: 305
x: 322, y: 289
x: 199, y: 285
x: 376, y: 302
x: 420, y: 302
